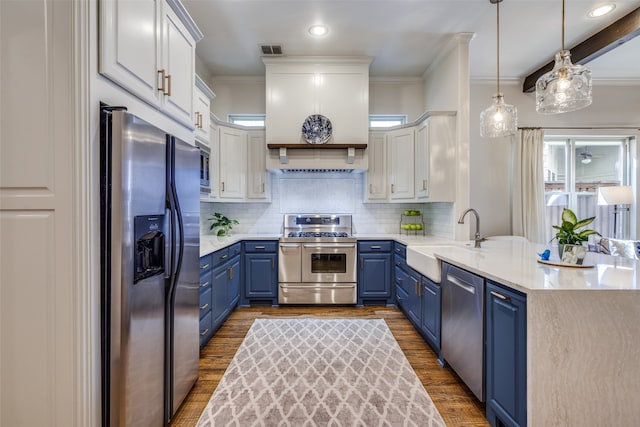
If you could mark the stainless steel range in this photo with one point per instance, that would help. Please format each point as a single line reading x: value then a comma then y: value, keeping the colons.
x: 317, y: 262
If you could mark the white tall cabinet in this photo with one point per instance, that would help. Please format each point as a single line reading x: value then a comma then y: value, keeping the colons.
x: 43, y: 256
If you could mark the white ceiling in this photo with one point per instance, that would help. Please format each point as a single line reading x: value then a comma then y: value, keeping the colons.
x: 405, y: 36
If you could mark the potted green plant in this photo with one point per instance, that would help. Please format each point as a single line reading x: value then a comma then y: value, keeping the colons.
x: 223, y: 223
x: 572, y: 231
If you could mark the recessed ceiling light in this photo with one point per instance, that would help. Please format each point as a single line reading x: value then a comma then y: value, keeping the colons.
x: 318, y: 30
x: 601, y: 10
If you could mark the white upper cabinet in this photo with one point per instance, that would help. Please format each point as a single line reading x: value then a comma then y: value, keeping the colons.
x: 148, y: 48
x: 435, y: 155
x: 376, y: 176
x: 400, y: 146
x: 232, y: 163
x: 179, y: 65
x: 202, y: 110
x: 257, y: 175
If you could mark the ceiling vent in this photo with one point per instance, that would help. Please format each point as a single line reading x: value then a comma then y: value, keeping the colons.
x: 271, y: 49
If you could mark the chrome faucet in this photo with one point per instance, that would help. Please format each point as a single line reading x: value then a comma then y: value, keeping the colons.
x: 477, y: 238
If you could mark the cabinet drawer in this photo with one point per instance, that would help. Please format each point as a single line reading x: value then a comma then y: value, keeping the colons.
x: 205, y: 328
x: 235, y: 249
x: 205, y: 302
x: 261, y: 246
x: 219, y: 257
x: 400, y: 262
x: 400, y: 249
x: 205, y: 263
x: 375, y: 246
x: 402, y: 280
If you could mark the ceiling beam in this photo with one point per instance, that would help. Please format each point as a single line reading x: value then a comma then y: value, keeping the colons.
x: 621, y: 31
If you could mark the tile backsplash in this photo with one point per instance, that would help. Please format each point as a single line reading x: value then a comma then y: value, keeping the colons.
x: 326, y: 192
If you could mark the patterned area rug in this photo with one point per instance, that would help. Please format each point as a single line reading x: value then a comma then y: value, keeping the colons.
x: 319, y: 372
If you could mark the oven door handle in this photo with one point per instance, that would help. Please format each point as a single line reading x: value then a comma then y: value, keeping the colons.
x: 289, y: 245
x: 316, y: 286
x: 329, y: 245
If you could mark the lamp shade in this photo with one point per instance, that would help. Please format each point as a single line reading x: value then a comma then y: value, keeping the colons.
x: 620, y: 195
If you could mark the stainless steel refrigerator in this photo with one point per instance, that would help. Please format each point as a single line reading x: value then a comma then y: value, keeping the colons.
x: 150, y: 219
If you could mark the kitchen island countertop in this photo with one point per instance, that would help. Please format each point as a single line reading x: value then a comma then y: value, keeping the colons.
x: 582, y: 329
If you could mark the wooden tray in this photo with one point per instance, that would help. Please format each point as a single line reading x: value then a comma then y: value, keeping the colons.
x: 559, y: 263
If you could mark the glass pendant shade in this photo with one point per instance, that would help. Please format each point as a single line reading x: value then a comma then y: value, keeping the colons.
x: 565, y: 88
x: 499, y: 120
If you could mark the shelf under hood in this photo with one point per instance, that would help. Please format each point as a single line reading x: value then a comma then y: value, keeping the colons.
x: 317, y: 157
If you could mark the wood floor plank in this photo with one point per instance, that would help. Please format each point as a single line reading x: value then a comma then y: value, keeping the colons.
x: 457, y: 405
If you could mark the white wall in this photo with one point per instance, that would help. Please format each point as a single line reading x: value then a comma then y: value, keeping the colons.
x: 397, y: 96
x: 490, y: 173
x: 246, y: 95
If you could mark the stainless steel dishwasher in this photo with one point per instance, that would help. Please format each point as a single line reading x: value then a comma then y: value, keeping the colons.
x: 462, y: 343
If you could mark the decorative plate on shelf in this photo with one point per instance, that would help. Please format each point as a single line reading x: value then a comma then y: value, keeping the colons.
x: 316, y: 129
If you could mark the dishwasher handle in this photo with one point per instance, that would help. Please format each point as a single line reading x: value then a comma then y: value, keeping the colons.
x: 455, y: 281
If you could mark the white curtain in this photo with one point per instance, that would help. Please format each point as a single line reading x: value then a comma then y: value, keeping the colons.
x: 528, y: 185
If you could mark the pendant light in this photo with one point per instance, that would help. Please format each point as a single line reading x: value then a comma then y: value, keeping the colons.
x: 500, y: 119
x: 565, y: 88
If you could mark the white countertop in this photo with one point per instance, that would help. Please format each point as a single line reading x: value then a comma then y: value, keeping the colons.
x: 211, y: 243
x: 512, y: 263
x: 515, y: 264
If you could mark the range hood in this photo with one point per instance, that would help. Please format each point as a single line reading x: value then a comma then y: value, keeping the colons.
x: 335, y: 87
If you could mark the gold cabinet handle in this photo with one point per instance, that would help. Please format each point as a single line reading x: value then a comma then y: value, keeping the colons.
x: 162, y: 79
x: 361, y: 263
x: 168, y: 92
x: 231, y: 273
x: 273, y: 264
x: 500, y: 296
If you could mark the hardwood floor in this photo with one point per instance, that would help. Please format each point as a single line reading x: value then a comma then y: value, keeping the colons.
x: 454, y: 401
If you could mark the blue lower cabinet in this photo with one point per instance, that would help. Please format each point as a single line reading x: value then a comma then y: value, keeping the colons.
x: 260, y: 273
x: 234, y: 284
x: 206, y: 330
x: 506, y: 357
x: 431, y: 310
x: 220, y: 294
x: 374, y: 273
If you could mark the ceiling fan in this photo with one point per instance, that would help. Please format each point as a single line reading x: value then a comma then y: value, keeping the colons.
x: 586, y: 156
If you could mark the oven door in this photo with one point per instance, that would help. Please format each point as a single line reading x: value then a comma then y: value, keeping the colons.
x: 329, y: 262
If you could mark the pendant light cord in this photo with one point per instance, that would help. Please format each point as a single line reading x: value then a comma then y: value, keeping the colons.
x: 498, y: 45
x: 563, y: 25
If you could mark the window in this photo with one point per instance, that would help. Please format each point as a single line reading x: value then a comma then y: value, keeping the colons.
x: 574, y: 169
x: 386, y: 120
x: 249, y: 120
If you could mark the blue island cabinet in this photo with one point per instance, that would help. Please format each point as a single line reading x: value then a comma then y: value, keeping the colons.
x: 260, y: 273
x: 374, y: 272
x: 506, y: 358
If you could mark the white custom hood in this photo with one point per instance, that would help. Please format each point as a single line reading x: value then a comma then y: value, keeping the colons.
x: 334, y: 87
